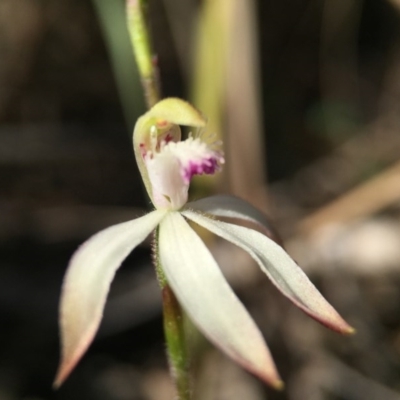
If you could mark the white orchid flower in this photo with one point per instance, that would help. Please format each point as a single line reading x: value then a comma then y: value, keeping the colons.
x: 167, y: 165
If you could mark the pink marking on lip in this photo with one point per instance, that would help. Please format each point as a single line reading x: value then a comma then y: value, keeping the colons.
x: 207, y: 166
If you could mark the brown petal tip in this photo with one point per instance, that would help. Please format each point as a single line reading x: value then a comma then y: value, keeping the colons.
x: 350, y: 331
x: 271, y: 378
x: 278, y: 385
x: 343, y: 327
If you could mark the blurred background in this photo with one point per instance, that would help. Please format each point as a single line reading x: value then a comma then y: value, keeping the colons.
x: 306, y: 95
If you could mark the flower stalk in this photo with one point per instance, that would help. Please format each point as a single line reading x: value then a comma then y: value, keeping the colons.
x: 172, y: 311
x: 142, y: 48
x: 174, y: 331
x: 176, y: 343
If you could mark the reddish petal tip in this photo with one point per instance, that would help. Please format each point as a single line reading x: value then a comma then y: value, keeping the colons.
x: 62, y: 375
x: 56, y: 384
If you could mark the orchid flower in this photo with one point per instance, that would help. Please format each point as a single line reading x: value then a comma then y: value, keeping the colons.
x: 167, y: 165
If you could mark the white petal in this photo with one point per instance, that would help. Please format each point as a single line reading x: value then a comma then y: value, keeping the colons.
x: 204, y: 293
x: 287, y: 276
x: 234, y: 207
x: 87, y: 283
